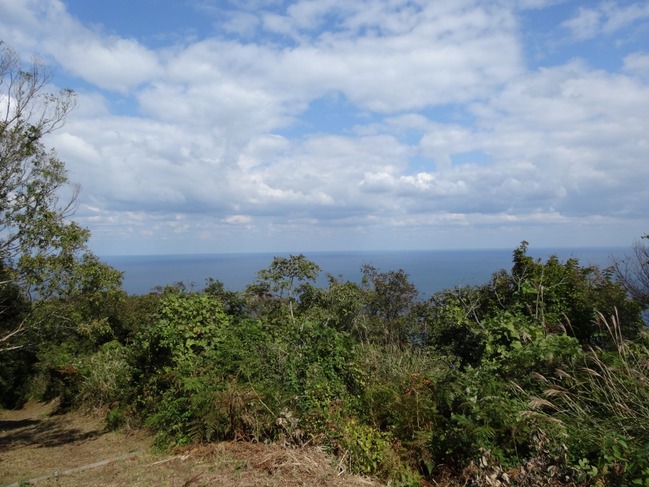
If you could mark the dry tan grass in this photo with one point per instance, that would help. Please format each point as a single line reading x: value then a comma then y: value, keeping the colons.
x: 34, y: 443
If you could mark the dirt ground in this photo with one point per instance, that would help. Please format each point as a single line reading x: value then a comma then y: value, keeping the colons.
x: 74, y: 450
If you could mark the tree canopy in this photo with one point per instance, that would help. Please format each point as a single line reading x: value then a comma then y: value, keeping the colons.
x: 42, y: 250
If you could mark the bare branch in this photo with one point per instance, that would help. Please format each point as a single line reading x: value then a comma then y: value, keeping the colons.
x: 632, y: 272
x: 20, y: 329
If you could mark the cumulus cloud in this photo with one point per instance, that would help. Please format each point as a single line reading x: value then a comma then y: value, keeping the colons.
x: 106, y: 61
x: 446, y: 124
x: 113, y: 64
x: 433, y: 54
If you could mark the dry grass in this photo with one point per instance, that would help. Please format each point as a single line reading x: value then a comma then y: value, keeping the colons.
x: 35, y: 443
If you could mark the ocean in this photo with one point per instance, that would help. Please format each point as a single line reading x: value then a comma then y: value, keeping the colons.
x: 430, y: 271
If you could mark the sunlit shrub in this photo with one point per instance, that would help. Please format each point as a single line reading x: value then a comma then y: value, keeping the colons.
x: 106, y: 376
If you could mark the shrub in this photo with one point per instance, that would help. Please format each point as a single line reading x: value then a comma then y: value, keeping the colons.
x: 600, y: 409
x: 105, y: 376
x: 58, y: 374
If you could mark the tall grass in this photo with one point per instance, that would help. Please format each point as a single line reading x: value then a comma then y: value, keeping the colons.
x: 598, y: 409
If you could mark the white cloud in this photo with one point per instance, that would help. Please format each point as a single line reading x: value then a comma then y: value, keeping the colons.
x: 437, y: 54
x: 637, y: 64
x: 608, y: 17
x: 238, y: 219
x: 536, y: 4
x: 581, y: 129
x: 228, y: 139
x: 109, y: 62
x: 586, y: 24
x: 556, y: 141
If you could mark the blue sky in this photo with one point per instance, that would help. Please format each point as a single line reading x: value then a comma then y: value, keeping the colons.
x: 270, y: 125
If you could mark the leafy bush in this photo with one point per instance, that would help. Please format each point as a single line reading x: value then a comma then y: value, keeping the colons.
x: 555, y: 293
x: 182, y: 362
x: 17, y: 367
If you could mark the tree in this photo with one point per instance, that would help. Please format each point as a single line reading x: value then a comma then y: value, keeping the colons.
x: 563, y: 294
x: 282, y: 276
x: 40, y: 248
x: 32, y: 221
x: 391, y: 298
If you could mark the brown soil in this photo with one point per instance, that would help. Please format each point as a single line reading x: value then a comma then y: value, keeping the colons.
x: 74, y: 450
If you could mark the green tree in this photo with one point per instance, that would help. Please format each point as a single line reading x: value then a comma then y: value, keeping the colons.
x: 563, y: 294
x: 341, y: 305
x: 391, y: 299
x: 451, y: 324
x: 282, y: 277
x: 193, y: 369
x: 42, y: 252
x: 32, y: 219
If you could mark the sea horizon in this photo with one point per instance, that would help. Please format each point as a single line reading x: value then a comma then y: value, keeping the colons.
x: 429, y: 270
x: 531, y: 251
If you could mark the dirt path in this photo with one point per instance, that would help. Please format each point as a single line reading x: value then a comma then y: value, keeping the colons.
x: 74, y: 450
x: 34, y: 442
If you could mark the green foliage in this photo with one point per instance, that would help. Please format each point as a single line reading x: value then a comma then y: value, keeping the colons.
x: 313, y: 353
x: 173, y: 357
x: 282, y: 276
x: 233, y: 302
x: 511, y: 376
x: 450, y: 324
x: 390, y: 300
x: 58, y: 374
x: 85, y: 307
x: 283, y: 273
x: 598, y: 408
x: 314, y: 368
x: 499, y: 352
x: 189, y: 329
x: 63, y: 331
x: 42, y: 252
x: 35, y: 238
x: 61, y: 328
x: 362, y: 446
x: 402, y: 391
x: 336, y: 415
x: 342, y: 306
x: 189, y: 362
x: 135, y: 314
x: 16, y: 363
x: 106, y: 376
x: 482, y: 413
x: 558, y: 294
x: 15, y: 371
x: 206, y: 408
x: 230, y: 412
x: 515, y: 346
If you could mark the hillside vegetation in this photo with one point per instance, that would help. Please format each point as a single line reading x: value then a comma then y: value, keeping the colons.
x: 538, y: 376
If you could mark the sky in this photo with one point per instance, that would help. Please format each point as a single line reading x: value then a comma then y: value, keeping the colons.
x: 269, y: 125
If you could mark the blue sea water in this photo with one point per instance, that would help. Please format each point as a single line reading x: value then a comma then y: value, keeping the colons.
x: 430, y: 271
